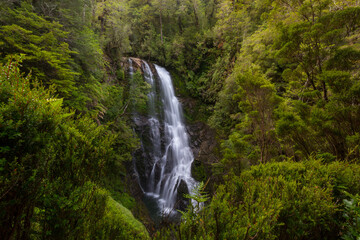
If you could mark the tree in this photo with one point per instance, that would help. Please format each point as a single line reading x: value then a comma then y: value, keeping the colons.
x: 50, y: 162
x: 47, y: 57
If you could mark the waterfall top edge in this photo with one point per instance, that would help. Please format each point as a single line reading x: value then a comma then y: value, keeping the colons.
x: 162, y: 68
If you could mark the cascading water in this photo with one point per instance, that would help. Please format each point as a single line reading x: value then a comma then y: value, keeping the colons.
x: 176, y: 162
x: 166, y: 154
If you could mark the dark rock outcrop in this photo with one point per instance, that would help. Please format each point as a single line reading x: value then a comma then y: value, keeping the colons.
x: 205, y: 147
x: 181, y: 201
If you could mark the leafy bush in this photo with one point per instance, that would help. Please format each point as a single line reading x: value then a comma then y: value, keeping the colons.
x: 51, y: 163
x: 352, y: 216
x: 286, y: 200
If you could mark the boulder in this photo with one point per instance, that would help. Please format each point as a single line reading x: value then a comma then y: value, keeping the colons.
x: 181, y: 201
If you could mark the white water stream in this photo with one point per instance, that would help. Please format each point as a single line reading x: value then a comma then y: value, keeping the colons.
x: 170, y: 152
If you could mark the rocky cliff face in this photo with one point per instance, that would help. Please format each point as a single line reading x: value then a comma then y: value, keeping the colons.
x: 203, y: 141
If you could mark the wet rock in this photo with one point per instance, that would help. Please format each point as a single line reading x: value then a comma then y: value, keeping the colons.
x: 157, y: 172
x: 203, y: 142
x: 205, y: 147
x: 181, y: 201
x: 144, y: 158
x: 140, y: 165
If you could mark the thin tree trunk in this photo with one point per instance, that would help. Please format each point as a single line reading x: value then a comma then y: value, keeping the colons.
x: 161, y: 26
x: 325, y: 91
x: 195, y: 14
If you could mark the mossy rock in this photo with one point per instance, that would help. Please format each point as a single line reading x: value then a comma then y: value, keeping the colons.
x: 119, y: 223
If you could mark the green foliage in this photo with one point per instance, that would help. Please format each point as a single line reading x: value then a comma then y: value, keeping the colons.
x: 174, y: 33
x: 198, y: 196
x: 52, y: 162
x: 47, y: 56
x: 30, y: 118
x: 306, y: 52
x: 115, y: 27
x: 253, y: 138
x: 137, y: 93
x: 67, y: 55
x: 119, y: 223
x: 286, y: 200
x: 352, y: 216
x: 114, y: 102
x: 281, y: 79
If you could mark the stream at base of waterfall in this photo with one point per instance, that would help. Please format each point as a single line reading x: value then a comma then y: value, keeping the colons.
x: 163, y: 164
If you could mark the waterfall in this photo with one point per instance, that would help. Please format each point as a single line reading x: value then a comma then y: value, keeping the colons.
x: 131, y: 68
x: 178, y: 155
x: 166, y: 154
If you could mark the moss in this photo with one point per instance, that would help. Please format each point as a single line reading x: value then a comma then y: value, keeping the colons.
x: 120, y: 74
x: 199, y: 171
x: 119, y: 223
x: 127, y: 200
x: 179, y: 84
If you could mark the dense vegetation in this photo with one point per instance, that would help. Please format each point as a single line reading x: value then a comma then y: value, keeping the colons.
x: 64, y: 136
x: 279, y: 80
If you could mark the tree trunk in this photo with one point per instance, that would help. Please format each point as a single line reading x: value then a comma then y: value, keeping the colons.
x: 325, y: 91
x: 161, y: 27
x: 195, y: 14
